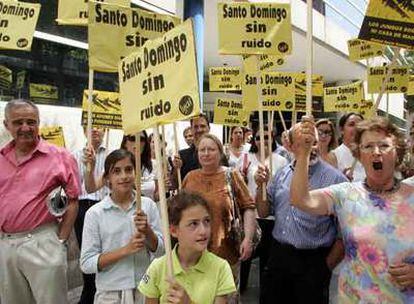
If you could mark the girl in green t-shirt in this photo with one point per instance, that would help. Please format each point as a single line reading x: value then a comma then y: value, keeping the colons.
x: 199, y: 275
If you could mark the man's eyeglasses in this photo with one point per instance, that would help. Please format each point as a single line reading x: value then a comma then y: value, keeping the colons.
x: 324, y: 133
x: 383, y: 147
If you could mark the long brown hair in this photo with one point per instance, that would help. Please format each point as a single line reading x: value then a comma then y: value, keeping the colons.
x: 333, y: 143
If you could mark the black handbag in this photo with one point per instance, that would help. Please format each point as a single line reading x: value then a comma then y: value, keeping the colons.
x: 237, y: 228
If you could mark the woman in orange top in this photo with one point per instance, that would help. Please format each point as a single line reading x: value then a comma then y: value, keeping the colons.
x: 210, y: 182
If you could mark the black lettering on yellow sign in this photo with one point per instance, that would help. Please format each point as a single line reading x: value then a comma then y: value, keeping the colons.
x: 171, y: 49
x: 152, y: 83
x: 159, y: 109
x: 240, y: 12
x: 152, y: 23
x: 108, y: 16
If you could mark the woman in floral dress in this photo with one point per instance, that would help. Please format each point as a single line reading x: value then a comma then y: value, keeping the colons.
x: 376, y: 216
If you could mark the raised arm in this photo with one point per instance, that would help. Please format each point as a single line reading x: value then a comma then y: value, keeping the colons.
x: 315, y: 202
x: 92, y: 183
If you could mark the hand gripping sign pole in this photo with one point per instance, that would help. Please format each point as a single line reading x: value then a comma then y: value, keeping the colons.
x: 309, y: 58
x: 176, y: 153
x: 386, y: 79
x: 163, y: 203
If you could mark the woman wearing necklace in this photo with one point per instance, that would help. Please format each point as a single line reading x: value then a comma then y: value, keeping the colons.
x: 376, y: 216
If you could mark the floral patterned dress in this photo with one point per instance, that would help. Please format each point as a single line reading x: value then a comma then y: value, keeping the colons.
x: 377, y: 233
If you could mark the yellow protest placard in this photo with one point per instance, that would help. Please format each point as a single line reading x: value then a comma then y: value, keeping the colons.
x: 106, y: 109
x: 230, y: 112
x: 146, y: 26
x: 397, y: 83
x: 53, y: 135
x: 389, y: 22
x: 254, y: 28
x: 367, y: 109
x: 75, y: 12
x: 345, y: 98
x: 266, y: 63
x: 225, y: 79
x: 410, y: 90
x: 159, y: 83
x: 43, y: 92
x: 5, y: 77
x: 300, y: 92
x: 106, y: 35
x: 361, y: 49
x: 116, y: 31
x: 277, y: 90
x: 17, y: 24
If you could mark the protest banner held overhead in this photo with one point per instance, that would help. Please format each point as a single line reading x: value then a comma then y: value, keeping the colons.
x: 361, y: 49
x: 230, y: 112
x: 53, y: 135
x: 116, y: 31
x: 367, y: 109
x: 300, y: 92
x: 17, y: 24
x: 345, y: 98
x: 225, y: 78
x: 43, y: 93
x: 76, y: 12
x: 106, y: 109
x: 254, y: 28
x: 158, y: 84
x: 277, y: 91
x: 397, y: 83
x: 267, y: 63
x: 106, y: 35
x: 389, y: 22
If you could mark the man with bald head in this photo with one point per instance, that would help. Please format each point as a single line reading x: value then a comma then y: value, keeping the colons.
x: 32, y: 240
x: 304, y: 248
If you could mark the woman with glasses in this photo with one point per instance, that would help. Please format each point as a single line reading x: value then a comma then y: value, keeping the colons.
x: 375, y: 215
x: 214, y: 183
x: 327, y: 141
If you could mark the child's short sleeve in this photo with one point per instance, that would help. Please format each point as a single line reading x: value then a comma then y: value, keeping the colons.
x: 149, y: 285
x: 226, y: 283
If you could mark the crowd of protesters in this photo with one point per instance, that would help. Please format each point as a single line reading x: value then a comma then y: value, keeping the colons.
x: 331, y: 213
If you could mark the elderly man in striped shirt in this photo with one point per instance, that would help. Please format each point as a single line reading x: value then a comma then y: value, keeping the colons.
x: 305, y: 248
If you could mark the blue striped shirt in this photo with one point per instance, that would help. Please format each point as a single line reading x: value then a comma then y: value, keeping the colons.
x: 297, y: 228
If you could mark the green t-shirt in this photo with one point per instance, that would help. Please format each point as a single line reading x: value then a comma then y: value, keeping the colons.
x: 209, y: 278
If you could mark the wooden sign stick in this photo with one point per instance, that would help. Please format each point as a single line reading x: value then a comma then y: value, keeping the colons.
x: 138, y: 170
x: 89, y: 121
x: 176, y: 153
x: 163, y: 203
x: 309, y: 58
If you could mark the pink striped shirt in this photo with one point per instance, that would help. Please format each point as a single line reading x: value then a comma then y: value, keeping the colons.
x: 24, y: 186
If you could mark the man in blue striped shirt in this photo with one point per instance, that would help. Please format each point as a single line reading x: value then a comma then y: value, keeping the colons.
x: 304, y: 248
